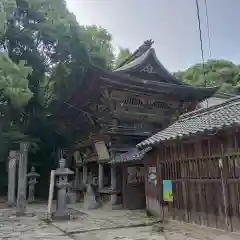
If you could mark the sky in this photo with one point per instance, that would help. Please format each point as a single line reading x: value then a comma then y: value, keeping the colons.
x: 171, y: 24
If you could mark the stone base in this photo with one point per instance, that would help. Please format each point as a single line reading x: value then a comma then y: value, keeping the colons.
x: 93, y: 205
x: 64, y: 217
x: 30, y: 201
x: 117, y: 206
x: 90, y: 202
x: 11, y: 205
x: 20, y: 214
x: 71, y: 198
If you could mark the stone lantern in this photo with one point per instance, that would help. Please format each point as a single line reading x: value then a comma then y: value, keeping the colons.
x: 32, y: 176
x: 62, y: 184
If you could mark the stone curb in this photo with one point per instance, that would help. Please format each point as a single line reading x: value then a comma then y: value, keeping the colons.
x: 109, y: 228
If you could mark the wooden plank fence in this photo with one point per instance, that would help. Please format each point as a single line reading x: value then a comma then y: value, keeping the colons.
x: 206, y: 179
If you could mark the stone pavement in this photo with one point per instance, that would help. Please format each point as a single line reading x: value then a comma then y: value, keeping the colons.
x: 99, y: 224
x: 29, y: 227
x: 176, y: 230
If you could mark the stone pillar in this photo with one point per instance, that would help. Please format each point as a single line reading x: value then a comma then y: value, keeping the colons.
x: 32, y: 182
x: 100, y: 176
x: 62, y: 184
x: 22, y: 179
x: 51, y: 190
x: 12, y: 165
x: 113, y: 184
x: 85, y: 174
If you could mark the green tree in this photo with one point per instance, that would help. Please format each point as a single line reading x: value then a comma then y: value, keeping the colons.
x: 14, y: 91
x: 13, y: 82
x: 217, y: 73
x: 44, y: 35
x: 98, y: 42
x: 14, y: 95
x: 123, y: 54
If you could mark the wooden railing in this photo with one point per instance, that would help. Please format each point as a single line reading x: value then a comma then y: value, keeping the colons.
x: 135, y: 130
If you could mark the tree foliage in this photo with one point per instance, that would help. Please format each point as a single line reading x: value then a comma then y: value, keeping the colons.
x: 98, y: 42
x: 14, y: 95
x: 123, y: 54
x: 13, y: 82
x: 46, y: 56
x: 221, y: 73
x: 14, y: 91
x: 44, y: 34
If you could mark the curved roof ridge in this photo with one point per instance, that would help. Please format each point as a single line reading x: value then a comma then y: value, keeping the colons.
x: 137, y: 53
x: 135, y: 62
x: 140, y: 62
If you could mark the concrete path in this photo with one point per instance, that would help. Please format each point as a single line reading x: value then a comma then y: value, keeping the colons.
x: 100, y: 224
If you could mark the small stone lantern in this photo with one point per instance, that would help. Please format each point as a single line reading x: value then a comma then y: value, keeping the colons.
x: 62, y: 184
x: 32, y: 176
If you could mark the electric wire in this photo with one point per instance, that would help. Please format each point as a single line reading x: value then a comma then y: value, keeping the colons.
x: 208, y: 29
x: 208, y: 35
x: 201, y: 47
x: 202, y: 51
x: 87, y: 114
x: 68, y: 104
x: 201, y: 42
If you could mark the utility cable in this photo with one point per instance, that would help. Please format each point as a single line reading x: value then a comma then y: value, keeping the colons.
x: 201, y: 42
x: 87, y: 114
x: 208, y: 29
x: 201, y: 45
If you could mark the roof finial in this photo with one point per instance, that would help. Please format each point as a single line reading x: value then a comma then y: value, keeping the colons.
x: 141, y: 50
x: 148, y: 43
x: 146, y: 46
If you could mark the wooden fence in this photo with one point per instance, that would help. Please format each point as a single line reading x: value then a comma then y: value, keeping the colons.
x: 206, y: 179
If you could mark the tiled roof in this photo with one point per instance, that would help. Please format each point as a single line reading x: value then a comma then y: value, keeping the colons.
x: 211, y: 102
x: 213, y: 118
x: 218, y: 98
x: 138, y: 64
x: 135, y: 63
x: 132, y: 155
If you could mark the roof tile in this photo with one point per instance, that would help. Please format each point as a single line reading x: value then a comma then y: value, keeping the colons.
x: 214, y: 117
x: 132, y: 155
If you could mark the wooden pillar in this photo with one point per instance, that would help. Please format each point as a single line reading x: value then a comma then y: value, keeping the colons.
x: 224, y: 177
x: 124, y: 185
x: 85, y: 174
x: 100, y: 176
x: 185, y: 201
